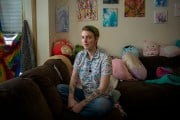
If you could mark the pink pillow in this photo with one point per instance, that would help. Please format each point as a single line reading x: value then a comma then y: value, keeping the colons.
x: 135, y: 66
x: 120, y: 70
x: 161, y: 71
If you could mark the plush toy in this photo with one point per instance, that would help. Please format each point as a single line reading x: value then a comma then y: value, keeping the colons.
x: 120, y: 71
x: 77, y: 49
x: 178, y: 43
x: 135, y: 66
x: 169, y: 51
x: 130, y: 48
x: 62, y: 47
x: 150, y: 48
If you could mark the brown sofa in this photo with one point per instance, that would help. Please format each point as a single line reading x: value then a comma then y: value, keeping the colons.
x: 33, y: 95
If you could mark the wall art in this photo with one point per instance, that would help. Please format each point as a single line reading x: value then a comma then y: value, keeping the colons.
x: 160, y: 16
x: 177, y: 9
x: 161, y: 3
x: 62, y: 19
x: 110, y: 17
x: 110, y: 1
x: 134, y: 8
x: 87, y: 10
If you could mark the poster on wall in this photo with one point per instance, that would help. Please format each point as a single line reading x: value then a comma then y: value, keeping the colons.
x: 87, y: 10
x: 110, y: 17
x: 62, y: 19
x: 110, y: 1
x: 160, y: 16
x: 161, y: 3
x: 177, y: 9
x: 134, y: 8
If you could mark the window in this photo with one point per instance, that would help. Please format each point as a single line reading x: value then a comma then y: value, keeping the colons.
x: 11, y: 15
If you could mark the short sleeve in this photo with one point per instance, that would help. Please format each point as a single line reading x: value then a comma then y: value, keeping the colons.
x: 106, y: 65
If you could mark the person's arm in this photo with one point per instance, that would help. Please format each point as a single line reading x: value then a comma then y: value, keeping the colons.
x: 72, y: 85
x: 104, y: 83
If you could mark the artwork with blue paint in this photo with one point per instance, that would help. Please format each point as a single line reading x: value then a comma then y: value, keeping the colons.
x: 110, y: 1
x: 110, y: 17
x: 161, y: 3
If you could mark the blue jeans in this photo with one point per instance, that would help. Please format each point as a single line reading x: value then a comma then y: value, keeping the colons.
x: 95, y: 108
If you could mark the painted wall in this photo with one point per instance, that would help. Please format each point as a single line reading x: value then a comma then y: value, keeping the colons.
x: 129, y: 31
x: 42, y: 30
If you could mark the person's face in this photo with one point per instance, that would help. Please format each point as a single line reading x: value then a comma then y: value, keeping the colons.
x: 89, y: 42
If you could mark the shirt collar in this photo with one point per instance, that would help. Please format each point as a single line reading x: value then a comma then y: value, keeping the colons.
x: 96, y: 55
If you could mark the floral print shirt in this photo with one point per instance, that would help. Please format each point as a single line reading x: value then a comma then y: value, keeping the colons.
x: 91, y: 71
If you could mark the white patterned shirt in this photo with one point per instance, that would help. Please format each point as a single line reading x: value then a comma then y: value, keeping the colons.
x: 91, y: 71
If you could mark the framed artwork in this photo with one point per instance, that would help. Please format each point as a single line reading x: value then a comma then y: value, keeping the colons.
x: 177, y: 9
x: 134, y: 8
x: 110, y: 17
x: 161, y: 3
x: 87, y: 10
x: 110, y: 1
x: 160, y: 16
x: 62, y: 19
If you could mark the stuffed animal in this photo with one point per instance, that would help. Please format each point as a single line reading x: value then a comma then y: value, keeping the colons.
x: 130, y: 48
x: 120, y: 70
x: 150, y: 48
x: 135, y: 66
x: 62, y: 47
x: 178, y: 43
x: 169, y: 51
x: 77, y: 49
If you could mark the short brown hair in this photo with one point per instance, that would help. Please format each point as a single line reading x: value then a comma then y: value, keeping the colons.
x: 92, y: 29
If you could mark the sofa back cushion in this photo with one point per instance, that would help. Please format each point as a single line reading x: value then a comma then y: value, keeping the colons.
x: 153, y: 62
x: 22, y: 99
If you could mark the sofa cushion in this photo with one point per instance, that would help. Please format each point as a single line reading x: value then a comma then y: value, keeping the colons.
x: 120, y: 70
x: 22, y: 99
x: 151, y: 63
x: 62, y: 68
x: 50, y: 94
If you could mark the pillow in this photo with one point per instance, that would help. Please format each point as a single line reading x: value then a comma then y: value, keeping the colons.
x: 62, y: 47
x: 135, y: 66
x: 120, y: 71
x: 130, y: 48
x: 169, y: 51
x: 161, y: 71
x: 150, y: 48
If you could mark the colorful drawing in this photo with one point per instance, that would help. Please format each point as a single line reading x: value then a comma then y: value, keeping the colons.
x: 161, y: 3
x: 62, y: 19
x: 134, y: 8
x: 110, y: 1
x: 160, y: 16
x: 87, y: 10
x: 110, y: 17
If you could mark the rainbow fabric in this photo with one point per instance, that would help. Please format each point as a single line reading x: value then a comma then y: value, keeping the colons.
x: 10, y: 60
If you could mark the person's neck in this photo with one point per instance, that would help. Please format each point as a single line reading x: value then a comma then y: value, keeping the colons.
x: 91, y: 53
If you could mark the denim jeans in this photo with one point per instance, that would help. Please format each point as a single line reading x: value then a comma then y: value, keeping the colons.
x: 95, y: 108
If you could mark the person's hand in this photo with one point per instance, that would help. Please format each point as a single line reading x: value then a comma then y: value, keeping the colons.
x: 71, y: 102
x: 78, y: 107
